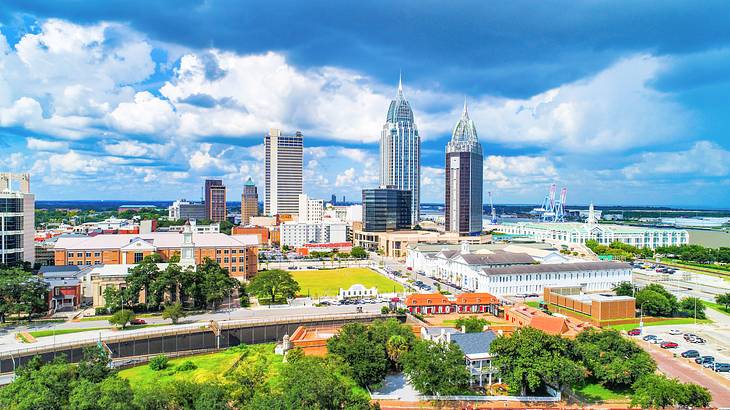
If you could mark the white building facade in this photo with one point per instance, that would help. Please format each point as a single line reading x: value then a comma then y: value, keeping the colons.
x: 578, y: 233
x: 297, y: 234
x: 283, y: 174
x: 17, y: 220
x: 310, y: 210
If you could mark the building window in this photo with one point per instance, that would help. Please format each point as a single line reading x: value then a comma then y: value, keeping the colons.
x: 225, y: 251
x: 97, y: 262
x: 233, y: 268
x: 241, y: 259
x: 97, y: 254
x: 218, y: 251
x: 225, y: 260
x: 70, y: 263
x: 79, y: 263
x: 80, y: 255
x: 88, y: 254
x: 69, y: 254
x: 234, y: 251
x: 138, y: 257
x: 218, y: 260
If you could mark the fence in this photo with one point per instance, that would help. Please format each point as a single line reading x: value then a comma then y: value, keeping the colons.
x: 184, y: 338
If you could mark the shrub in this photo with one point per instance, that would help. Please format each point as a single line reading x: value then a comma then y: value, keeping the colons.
x: 101, y: 311
x: 185, y: 366
x: 159, y: 362
x: 384, y: 310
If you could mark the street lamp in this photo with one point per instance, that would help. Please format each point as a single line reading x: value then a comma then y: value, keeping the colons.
x: 641, y: 319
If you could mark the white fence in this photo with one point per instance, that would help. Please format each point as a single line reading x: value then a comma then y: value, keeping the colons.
x: 554, y: 397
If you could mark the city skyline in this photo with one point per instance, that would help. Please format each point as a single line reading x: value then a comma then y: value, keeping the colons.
x: 637, y: 118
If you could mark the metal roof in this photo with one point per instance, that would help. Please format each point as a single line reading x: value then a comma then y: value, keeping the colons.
x: 556, y: 267
x: 474, y: 343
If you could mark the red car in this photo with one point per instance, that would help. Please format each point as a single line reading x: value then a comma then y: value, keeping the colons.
x: 669, y: 345
x: 138, y: 322
x: 634, y: 332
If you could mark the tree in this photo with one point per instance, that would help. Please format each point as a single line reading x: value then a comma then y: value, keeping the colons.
x: 471, y: 324
x: 122, y: 318
x: 436, y: 368
x: 366, y: 358
x: 273, y: 283
x: 40, y: 386
x: 612, y: 359
x: 116, y: 298
x: 624, y: 289
x: 692, y: 307
x: 159, y: 362
x: 216, y: 283
x: 724, y: 300
x: 85, y: 396
x: 396, y: 347
x: 115, y: 394
x: 657, y: 391
x: 94, y: 365
x: 173, y: 312
x: 358, y: 252
x: 243, y: 297
x: 143, y: 275
x: 21, y: 292
x: 653, y: 304
x: 315, y: 383
x: 530, y: 359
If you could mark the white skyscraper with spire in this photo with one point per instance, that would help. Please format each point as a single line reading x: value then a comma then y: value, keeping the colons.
x: 400, y: 151
x: 464, y: 178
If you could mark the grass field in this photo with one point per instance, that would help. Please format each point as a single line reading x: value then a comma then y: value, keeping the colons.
x: 595, y: 393
x: 327, y: 282
x: 45, y: 333
x: 665, y: 322
x: 717, y: 307
x: 211, y: 366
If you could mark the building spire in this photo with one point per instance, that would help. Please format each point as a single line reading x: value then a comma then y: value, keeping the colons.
x: 400, y: 84
x: 465, y: 113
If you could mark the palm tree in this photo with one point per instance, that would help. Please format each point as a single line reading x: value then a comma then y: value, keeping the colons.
x: 396, y: 347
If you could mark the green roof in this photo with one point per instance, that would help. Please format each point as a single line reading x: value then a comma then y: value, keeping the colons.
x: 249, y: 182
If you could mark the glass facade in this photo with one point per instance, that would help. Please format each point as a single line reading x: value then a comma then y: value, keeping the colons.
x: 386, y: 209
x: 11, y: 222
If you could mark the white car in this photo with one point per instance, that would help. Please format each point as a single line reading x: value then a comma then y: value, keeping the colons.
x: 657, y: 341
x: 675, y: 332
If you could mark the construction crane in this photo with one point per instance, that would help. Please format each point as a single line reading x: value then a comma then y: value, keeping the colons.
x: 493, y: 221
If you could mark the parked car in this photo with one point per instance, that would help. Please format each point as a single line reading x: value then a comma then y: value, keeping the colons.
x: 709, y: 365
x: 688, y: 336
x: 649, y: 337
x: 722, y: 367
x: 657, y: 341
x: 698, y: 340
x: 675, y: 332
x: 705, y: 359
x: 137, y: 322
x: 669, y: 345
x: 690, y: 354
x: 634, y: 332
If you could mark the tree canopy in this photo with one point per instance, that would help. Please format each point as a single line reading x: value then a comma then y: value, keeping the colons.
x: 273, y: 284
x: 531, y: 359
x: 624, y: 289
x: 471, y: 324
x: 436, y: 368
x: 657, y: 391
x: 654, y: 300
x: 612, y: 359
x: 21, y: 293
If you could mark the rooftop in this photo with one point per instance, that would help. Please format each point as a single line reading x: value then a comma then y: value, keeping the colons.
x: 556, y: 267
x: 157, y: 239
x: 474, y: 343
x: 584, y: 227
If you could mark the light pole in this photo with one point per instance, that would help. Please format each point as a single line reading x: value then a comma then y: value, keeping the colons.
x: 641, y: 319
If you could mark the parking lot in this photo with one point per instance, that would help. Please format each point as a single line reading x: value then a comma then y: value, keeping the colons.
x: 711, y: 347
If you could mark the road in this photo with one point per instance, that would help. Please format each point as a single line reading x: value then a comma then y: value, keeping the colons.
x: 8, y: 341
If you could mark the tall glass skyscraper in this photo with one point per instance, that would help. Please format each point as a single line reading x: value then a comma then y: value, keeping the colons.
x: 400, y: 151
x: 464, y: 178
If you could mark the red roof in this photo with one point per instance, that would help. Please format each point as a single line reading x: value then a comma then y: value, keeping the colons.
x: 476, y: 299
x: 549, y: 324
x: 427, y: 299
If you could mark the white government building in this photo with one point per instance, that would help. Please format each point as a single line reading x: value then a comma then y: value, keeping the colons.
x: 513, y: 269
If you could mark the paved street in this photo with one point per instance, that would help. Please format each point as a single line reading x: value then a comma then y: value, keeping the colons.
x: 9, y: 343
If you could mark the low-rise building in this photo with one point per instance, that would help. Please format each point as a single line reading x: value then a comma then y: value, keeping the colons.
x: 427, y: 304
x: 572, y: 233
x: 523, y: 315
x: 297, y: 234
x: 599, y: 306
x: 395, y: 244
x: 476, y: 348
x: 238, y: 254
x: 436, y: 303
x: 358, y: 291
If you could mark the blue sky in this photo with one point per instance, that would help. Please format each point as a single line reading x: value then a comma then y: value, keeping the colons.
x: 622, y: 102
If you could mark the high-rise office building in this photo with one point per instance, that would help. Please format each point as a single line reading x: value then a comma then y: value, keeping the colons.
x: 333, y: 200
x: 310, y: 210
x: 17, y: 220
x: 284, y: 168
x: 464, y: 178
x: 215, y: 200
x: 249, y: 202
x: 400, y: 151
x: 386, y: 209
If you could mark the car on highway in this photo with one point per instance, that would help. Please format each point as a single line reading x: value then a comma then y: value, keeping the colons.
x: 722, y: 367
x: 668, y: 345
x: 705, y: 359
x: 634, y: 332
x: 690, y: 354
x: 137, y: 322
x: 675, y: 332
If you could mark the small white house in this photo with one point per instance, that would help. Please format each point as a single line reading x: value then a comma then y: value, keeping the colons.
x: 358, y: 291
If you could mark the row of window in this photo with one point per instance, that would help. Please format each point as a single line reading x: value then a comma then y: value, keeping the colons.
x: 554, y: 276
x: 241, y: 259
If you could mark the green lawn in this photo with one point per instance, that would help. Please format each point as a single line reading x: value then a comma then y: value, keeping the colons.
x: 327, y: 282
x: 46, y: 333
x: 596, y: 393
x: 670, y: 321
x: 533, y: 304
x: 107, y: 317
x: 211, y: 366
x: 717, y: 307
